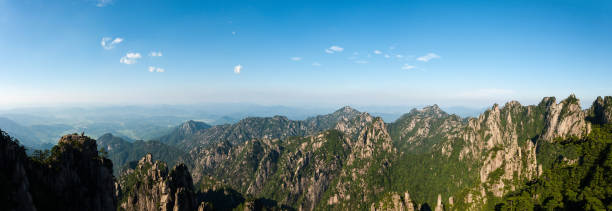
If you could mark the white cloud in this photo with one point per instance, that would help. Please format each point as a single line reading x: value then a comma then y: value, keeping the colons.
x: 296, y: 58
x: 377, y: 52
x: 408, y: 67
x: 103, y: 3
x: 110, y: 43
x: 361, y: 62
x: 130, y: 58
x: 334, y: 49
x: 233, y: 33
x: 156, y: 69
x: 387, y: 56
x: 155, y: 54
x: 316, y: 64
x: 428, y: 57
x: 237, y: 69
x: 399, y: 56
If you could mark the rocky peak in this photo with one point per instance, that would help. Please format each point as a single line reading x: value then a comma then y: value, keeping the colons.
x: 601, y: 110
x: 346, y: 110
x: 150, y: 186
x: 512, y: 105
x: 565, y: 119
x: 354, y: 125
x: 147, y: 159
x: 548, y: 101
x: 81, y: 142
x: 432, y: 111
x: 191, y: 127
x: 571, y: 100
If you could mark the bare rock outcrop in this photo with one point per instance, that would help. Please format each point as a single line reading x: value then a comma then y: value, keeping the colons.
x: 394, y: 202
x: 565, y: 119
x: 151, y: 186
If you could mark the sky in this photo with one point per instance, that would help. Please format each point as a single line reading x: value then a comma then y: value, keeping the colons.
x: 302, y: 53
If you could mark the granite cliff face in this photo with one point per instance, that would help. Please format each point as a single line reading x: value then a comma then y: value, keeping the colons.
x: 151, y: 186
x: 565, y: 119
x: 72, y: 176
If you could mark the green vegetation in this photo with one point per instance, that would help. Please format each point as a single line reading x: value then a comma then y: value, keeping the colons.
x: 586, y: 185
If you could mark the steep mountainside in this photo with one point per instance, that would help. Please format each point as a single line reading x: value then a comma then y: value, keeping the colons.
x: 72, y: 176
x: 150, y: 186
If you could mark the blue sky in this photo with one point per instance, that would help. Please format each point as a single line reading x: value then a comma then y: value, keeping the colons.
x: 327, y: 53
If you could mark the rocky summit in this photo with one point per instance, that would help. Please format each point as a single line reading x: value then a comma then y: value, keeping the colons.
x: 553, y: 155
x: 71, y: 176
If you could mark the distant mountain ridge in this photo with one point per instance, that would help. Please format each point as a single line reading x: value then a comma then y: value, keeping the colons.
x: 265, y: 127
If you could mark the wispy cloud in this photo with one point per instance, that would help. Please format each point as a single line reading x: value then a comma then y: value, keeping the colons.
x: 296, y: 58
x: 377, y: 52
x: 316, y: 64
x: 237, y: 69
x: 399, y: 56
x: 103, y: 3
x: 408, y: 67
x: 428, y: 57
x: 361, y: 62
x: 387, y: 56
x: 334, y: 49
x: 155, y: 54
x: 130, y: 58
x: 110, y: 43
x: 156, y: 69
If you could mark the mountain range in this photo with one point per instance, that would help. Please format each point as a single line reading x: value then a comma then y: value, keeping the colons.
x: 553, y: 155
